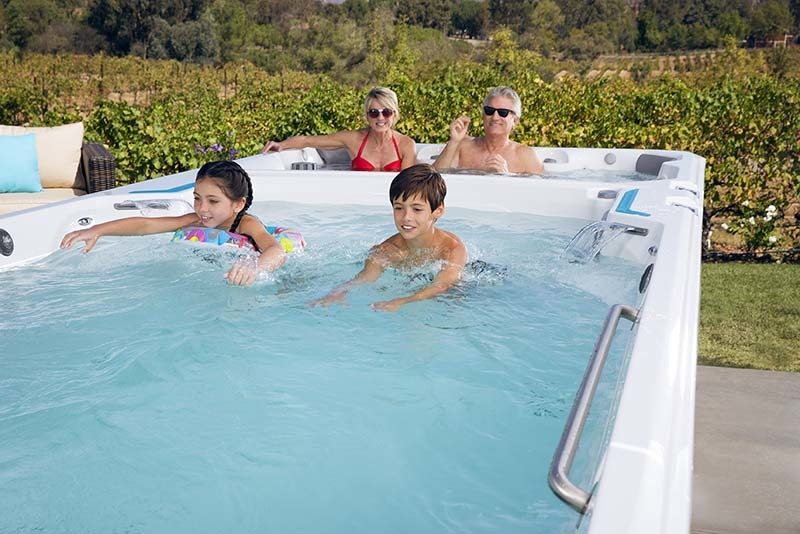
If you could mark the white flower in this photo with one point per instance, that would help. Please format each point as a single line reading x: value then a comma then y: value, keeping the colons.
x: 771, y: 208
x: 773, y: 239
x: 768, y: 217
x: 746, y: 203
x: 752, y: 220
x: 724, y: 226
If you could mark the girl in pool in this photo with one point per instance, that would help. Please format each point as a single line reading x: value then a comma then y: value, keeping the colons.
x: 222, y: 194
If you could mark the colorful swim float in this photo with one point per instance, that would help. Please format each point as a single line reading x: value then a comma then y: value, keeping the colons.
x: 288, y: 238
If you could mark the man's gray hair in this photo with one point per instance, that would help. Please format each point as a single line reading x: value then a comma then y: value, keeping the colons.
x: 508, y: 93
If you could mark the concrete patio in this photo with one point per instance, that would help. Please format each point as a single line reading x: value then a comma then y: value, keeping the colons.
x: 746, y: 452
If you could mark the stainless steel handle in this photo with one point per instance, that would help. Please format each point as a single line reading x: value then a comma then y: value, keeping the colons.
x: 558, y: 479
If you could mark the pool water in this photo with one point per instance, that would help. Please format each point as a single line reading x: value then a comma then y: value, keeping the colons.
x: 576, y: 175
x: 141, y: 393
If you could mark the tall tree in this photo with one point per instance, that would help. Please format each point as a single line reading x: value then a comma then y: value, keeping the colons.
x: 27, y: 18
x: 469, y: 18
x: 513, y: 14
x: 545, y: 26
x: 771, y: 18
x: 125, y: 23
x: 426, y: 13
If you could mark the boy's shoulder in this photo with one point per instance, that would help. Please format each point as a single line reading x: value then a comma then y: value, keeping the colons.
x: 449, y: 242
x: 391, y: 248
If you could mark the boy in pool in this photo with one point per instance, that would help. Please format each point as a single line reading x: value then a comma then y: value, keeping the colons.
x: 417, y: 198
x: 222, y: 194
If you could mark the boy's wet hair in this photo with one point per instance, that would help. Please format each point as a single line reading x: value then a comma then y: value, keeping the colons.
x: 421, y: 179
x: 234, y: 182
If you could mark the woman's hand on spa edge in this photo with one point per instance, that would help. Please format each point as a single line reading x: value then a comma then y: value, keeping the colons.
x: 89, y: 236
x: 271, y: 146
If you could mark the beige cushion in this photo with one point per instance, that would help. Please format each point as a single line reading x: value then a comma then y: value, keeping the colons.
x: 19, y: 201
x: 59, y: 151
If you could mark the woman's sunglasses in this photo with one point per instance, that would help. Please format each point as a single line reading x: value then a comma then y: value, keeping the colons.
x: 489, y: 111
x: 375, y: 113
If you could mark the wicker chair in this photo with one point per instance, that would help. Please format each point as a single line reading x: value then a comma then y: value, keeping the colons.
x: 98, y: 168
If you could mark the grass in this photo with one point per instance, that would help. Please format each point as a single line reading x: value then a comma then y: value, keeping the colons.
x: 750, y: 316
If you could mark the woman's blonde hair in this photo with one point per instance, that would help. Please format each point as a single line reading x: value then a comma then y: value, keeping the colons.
x: 385, y: 97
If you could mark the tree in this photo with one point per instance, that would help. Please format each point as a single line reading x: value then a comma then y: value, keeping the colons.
x: 4, y: 40
x: 771, y: 18
x: 27, y: 18
x: 545, y: 26
x: 667, y: 24
x: 513, y: 14
x: 426, y: 13
x: 125, y: 23
x: 468, y: 18
x: 234, y: 28
x: 794, y: 6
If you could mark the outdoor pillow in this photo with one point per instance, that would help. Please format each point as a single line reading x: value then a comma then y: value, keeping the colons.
x: 19, y: 167
x: 59, y: 151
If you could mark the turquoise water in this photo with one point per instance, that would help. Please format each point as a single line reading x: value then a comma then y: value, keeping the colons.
x: 577, y: 175
x: 141, y: 393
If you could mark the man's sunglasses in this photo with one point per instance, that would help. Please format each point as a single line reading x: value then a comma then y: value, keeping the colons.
x: 375, y: 113
x: 489, y: 111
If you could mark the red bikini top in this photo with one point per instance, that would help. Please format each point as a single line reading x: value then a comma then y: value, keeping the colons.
x: 361, y: 164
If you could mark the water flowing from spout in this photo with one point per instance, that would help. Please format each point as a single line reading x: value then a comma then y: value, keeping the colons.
x: 591, y: 239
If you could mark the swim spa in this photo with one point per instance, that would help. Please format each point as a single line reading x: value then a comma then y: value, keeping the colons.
x: 464, y: 435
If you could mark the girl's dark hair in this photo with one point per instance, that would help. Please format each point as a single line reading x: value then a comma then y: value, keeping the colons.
x: 234, y: 182
x: 421, y: 179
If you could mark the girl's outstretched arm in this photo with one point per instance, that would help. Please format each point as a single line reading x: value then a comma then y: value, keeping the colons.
x: 271, y: 257
x: 128, y: 226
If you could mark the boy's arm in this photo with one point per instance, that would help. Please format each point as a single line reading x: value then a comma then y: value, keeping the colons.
x: 444, y: 280
x: 373, y: 268
x: 128, y: 226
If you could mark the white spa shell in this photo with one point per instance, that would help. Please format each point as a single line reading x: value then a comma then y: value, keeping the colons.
x: 645, y: 480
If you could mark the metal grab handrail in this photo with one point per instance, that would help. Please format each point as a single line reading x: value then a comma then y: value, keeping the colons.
x: 558, y: 479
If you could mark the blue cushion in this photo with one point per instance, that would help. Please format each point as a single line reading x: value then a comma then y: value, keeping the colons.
x: 19, y: 166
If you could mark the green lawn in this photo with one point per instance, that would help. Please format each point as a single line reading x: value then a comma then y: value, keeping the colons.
x: 750, y: 316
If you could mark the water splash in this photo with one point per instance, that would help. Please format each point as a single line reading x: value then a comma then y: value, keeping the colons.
x: 591, y: 239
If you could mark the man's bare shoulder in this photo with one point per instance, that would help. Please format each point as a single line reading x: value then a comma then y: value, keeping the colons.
x: 524, y: 160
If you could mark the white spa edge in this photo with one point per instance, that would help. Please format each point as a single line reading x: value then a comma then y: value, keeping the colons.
x: 644, y: 482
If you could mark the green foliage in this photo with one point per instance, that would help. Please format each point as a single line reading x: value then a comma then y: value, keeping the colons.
x: 160, y: 117
x: 771, y: 18
x: 468, y: 19
x: 26, y: 18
